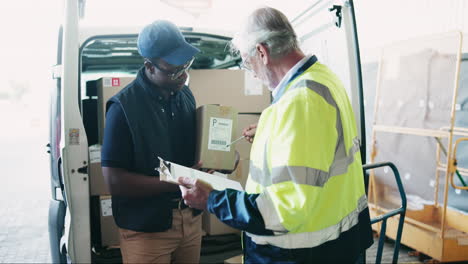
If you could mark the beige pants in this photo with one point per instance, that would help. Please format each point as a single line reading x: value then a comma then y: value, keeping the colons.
x: 180, y: 244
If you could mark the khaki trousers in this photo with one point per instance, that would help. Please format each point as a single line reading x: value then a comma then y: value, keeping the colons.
x: 180, y: 244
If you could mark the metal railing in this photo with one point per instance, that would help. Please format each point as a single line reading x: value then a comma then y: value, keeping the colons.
x: 383, y: 218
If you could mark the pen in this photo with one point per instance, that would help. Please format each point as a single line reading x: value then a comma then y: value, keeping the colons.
x: 234, y: 141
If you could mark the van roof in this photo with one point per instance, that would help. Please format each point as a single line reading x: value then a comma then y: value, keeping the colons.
x: 115, y: 49
x: 87, y: 32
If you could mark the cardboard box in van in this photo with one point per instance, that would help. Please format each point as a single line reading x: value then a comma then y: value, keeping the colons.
x: 241, y: 173
x: 242, y: 146
x: 210, y: 223
x: 106, y: 88
x: 110, y: 236
x: 97, y: 184
x: 235, y: 88
x: 216, y: 128
x: 235, y: 260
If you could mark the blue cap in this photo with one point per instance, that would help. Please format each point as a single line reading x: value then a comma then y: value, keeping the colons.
x: 162, y: 39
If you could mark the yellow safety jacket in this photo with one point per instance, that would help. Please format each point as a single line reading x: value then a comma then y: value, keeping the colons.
x: 306, y: 164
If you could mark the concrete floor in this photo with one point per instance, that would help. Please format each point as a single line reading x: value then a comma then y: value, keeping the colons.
x: 24, y: 184
x: 23, y: 231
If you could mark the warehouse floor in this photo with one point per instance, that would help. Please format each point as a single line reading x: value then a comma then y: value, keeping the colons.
x: 214, y: 253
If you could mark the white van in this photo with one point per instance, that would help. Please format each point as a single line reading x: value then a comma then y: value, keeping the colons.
x: 84, y: 54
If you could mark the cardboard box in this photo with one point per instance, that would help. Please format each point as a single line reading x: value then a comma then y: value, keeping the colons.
x: 110, y: 236
x: 97, y: 184
x: 216, y: 128
x: 210, y: 223
x: 234, y: 260
x: 243, y: 121
x: 229, y: 87
x: 212, y: 226
x: 241, y: 173
x: 106, y: 88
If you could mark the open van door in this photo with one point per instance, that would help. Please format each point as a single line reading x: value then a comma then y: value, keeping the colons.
x: 57, y: 204
x: 74, y: 145
x: 69, y: 224
x: 328, y: 30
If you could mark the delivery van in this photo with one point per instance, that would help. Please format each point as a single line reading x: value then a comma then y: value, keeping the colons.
x: 93, y: 63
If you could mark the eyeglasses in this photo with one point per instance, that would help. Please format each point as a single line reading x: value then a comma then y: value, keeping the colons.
x: 177, y: 72
x: 245, y: 65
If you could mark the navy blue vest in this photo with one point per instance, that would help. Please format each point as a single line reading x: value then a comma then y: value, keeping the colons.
x: 158, y: 127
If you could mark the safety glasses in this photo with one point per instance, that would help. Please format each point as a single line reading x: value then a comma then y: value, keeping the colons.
x: 177, y: 72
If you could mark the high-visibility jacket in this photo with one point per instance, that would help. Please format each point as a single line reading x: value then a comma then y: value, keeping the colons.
x: 306, y: 165
x: 305, y: 183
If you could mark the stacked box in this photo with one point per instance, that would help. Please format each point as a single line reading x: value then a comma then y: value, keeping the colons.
x: 106, y: 88
x: 235, y: 88
x: 216, y: 128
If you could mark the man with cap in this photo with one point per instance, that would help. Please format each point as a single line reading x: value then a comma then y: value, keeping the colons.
x: 153, y: 116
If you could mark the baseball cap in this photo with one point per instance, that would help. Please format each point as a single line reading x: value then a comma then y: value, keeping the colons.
x: 162, y: 39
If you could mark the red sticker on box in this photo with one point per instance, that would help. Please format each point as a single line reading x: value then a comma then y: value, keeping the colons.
x: 115, y: 81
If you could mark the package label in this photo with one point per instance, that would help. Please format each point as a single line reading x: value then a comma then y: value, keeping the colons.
x: 107, y: 82
x: 220, y: 134
x: 95, y: 154
x: 115, y: 81
x: 106, y: 207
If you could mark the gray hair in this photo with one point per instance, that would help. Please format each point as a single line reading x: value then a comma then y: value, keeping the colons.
x: 268, y: 26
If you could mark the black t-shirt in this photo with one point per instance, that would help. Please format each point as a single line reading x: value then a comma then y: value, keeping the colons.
x: 118, y: 144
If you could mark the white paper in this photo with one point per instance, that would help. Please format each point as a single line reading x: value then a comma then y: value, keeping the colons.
x: 252, y: 86
x: 95, y: 154
x: 220, y: 134
x: 107, y: 82
x: 106, y: 207
x: 170, y: 172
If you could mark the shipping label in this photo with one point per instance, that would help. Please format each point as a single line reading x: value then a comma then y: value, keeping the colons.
x: 95, y: 154
x: 106, y: 207
x: 107, y: 82
x: 220, y: 134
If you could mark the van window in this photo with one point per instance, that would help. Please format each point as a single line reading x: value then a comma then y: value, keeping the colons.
x: 108, y: 56
x: 120, y: 54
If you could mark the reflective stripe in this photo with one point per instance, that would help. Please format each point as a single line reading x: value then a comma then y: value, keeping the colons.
x: 340, y: 164
x: 267, y: 210
x: 341, y: 161
x: 319, y: 88
x: 313, y: 239
x: 259, y: 176
x: 301, y: 174
x: 306, y: 175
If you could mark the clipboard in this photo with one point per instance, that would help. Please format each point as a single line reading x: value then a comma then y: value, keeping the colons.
x: 170, y: 172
